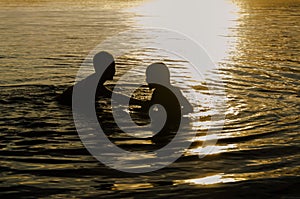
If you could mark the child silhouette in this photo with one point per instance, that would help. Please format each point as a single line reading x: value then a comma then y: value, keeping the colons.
x: 100, y: 61
x: 166, y: 95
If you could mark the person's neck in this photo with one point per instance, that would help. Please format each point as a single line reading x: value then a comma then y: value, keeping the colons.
x: 163, y: 86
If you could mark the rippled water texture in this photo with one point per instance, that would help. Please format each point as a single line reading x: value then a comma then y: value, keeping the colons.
x: 43, y: 44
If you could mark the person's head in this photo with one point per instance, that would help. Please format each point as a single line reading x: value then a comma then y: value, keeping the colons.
x: 104, y: 63
x: 157, y: 74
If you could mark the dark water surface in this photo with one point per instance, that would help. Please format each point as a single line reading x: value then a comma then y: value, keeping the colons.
x: 257, y: 155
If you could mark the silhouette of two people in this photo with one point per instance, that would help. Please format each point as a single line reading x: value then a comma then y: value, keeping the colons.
x: 165, y: 97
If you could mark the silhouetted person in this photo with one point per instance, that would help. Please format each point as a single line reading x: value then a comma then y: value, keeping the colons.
x: 170, y: 97
x: 100, y: 61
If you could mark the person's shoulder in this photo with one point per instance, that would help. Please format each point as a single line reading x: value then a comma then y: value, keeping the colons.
x: 176, y: 90
x: 66, y: 97
x: 87, y: 82
x: 88, y: 78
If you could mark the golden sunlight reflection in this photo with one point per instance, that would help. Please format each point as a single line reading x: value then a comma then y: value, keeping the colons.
x: 213, y: 149
x: 127, y: 186
x: 254, y: 45
x: 229, y: 178
x: 128, y: 142
x: 206, y: 137
x: 207, y: 22
x: 209, y: 180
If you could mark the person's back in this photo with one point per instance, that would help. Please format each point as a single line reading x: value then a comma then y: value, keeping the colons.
x: 168, y: 100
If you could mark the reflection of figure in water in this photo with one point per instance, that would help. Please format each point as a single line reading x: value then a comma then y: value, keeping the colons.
x: 168, y: 96
x: 101, y: 60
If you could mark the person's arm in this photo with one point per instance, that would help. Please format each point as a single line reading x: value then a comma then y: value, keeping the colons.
x: 145, y: 106
x: 132, y: 101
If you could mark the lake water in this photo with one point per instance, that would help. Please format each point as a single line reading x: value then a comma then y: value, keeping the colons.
x: 255, y: 45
